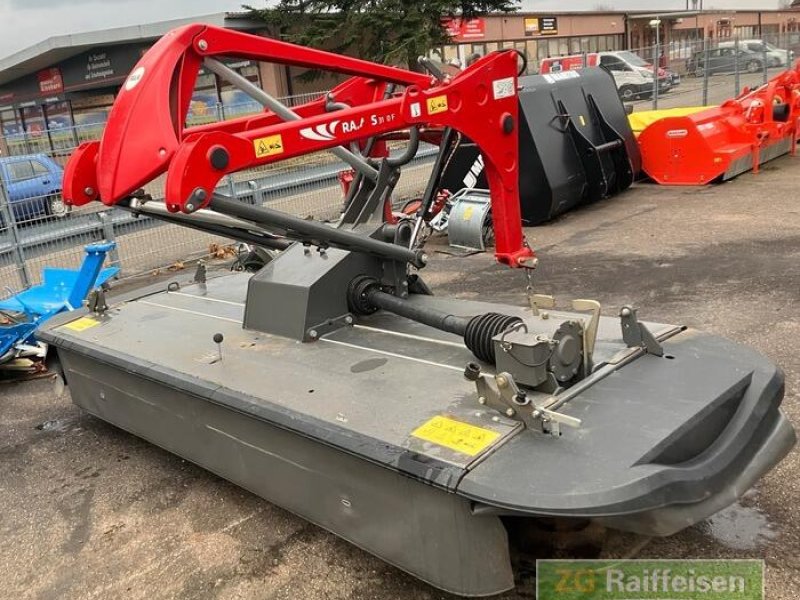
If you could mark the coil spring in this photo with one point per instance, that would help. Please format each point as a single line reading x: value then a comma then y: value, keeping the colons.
x: 480, y: 331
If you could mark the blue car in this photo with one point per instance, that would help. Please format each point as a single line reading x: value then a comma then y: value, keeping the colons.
x: 32, y: 184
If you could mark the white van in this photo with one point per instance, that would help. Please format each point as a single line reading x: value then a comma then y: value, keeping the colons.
x: 776, y: 57
x: 633, y: 74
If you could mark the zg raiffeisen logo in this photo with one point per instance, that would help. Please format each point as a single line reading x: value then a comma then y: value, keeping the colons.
x: 649, y: 579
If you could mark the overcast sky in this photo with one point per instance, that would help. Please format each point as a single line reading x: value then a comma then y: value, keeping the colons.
x: 26, y: 22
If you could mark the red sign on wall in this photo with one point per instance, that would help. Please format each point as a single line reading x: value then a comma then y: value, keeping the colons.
x: 465, y: 29
x: 50, y: 81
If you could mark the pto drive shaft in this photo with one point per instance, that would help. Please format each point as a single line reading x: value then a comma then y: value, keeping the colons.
x: 478, y: 331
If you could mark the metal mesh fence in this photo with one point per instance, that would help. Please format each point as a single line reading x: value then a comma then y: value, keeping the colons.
x: 36, y: 229
x: 708, y: 72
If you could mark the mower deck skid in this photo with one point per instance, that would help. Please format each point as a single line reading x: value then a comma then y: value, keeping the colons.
x: 418, y: 472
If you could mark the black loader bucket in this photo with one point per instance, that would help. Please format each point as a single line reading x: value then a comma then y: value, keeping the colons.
x: 576, y: 145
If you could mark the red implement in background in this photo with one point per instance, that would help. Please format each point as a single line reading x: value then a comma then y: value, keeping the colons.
x: 146, y: 135
x: 722, y: 142
x: 557, y: 64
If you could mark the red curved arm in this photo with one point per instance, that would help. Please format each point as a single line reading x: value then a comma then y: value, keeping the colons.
x: 145, y: 135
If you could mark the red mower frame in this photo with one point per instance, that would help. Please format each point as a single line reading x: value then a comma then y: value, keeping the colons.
x: 146, y: 134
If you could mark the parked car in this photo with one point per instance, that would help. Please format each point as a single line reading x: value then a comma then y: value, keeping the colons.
x: 32, y: 184
x: 633, y: 74
x: 724, y: 60
x: 776, y: 57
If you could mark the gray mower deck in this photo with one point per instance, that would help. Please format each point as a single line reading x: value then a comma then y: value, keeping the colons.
x: 332, y: 429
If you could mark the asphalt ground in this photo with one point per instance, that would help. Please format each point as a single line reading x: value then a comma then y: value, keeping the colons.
x: 89, y: 511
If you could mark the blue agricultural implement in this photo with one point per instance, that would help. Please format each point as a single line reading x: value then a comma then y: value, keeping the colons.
x: 61, y: 290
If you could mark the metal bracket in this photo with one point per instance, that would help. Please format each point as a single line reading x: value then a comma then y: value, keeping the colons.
x: 96, y: 301
x: 317, y: 331
x: 504, y: 396
x: 589, y: 330
x: 540, y: 301
x: 200, y: 273
x: 636, y: 335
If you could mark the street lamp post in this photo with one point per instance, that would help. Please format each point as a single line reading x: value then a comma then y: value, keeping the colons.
x: 656, y: 23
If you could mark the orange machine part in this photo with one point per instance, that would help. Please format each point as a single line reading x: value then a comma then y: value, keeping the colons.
x: 724, y: 141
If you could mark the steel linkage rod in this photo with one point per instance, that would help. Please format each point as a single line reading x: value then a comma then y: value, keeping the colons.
x: 314, y: 232
x: 284, y: 112
x: 210, y: 222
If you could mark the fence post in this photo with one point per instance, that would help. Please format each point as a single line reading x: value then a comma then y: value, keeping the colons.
x: 26, y: 141
x: 705, y: 71
x: 107, y: 223
x: 736, y: 77
x: 656, y: 68
x: 764, y: 65
x: 11, y: 226
x: 228, y: 177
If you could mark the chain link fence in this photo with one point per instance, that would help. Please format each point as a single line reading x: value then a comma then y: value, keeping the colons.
x: 37, y: 229
x: 710, y: 71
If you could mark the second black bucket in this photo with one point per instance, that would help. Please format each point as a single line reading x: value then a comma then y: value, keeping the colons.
x: 576, y: 145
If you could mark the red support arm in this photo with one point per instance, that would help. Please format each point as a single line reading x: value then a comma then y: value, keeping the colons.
x: 146, y: 135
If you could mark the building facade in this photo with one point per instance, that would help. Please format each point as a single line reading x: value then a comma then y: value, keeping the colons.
x: 545, y: 35
x: 69, y: 83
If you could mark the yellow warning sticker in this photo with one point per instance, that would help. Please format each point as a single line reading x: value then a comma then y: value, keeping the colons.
x: 468, y: 212
x: 81, y: 324
x: 437, y: 104
x: 268, y: 146
x: 456, y: 435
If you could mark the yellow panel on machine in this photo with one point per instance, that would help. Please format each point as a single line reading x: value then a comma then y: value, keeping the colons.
x: 640, y: 120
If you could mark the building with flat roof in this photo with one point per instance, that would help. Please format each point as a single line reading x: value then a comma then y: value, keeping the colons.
x: 69, y: 82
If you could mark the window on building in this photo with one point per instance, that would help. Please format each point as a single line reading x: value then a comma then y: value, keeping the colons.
x: 203, y: 107
x: 542, y: 51
x: 531, y: 53
x: 59, y: 122
x: 235, y: 102
x: 519, y: 46
x: 450, y: 53
x: 9, y: 122
x: 34, y: 120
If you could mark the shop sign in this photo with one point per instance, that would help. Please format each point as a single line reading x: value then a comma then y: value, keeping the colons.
x: 50, y: 81
x: 465, y: 29
x: 541, y: 26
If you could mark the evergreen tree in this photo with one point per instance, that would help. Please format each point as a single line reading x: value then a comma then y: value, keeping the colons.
x: 386, y: 31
